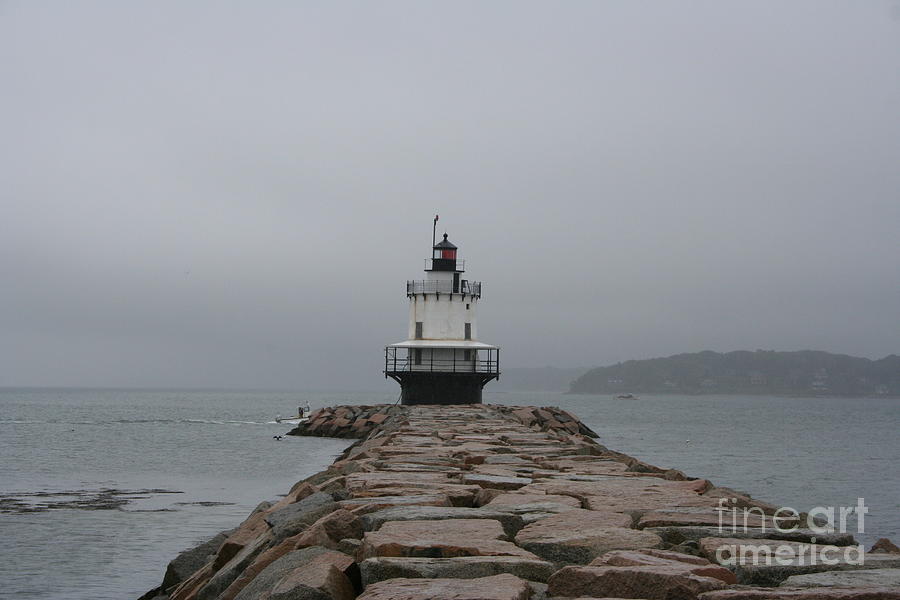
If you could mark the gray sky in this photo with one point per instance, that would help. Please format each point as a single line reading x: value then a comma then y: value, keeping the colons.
x: 233, y: 194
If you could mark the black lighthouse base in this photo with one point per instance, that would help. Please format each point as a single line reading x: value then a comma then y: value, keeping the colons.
x: 441, y: 388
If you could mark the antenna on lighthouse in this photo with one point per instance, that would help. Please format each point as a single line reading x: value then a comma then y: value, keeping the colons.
x: 434, y: 231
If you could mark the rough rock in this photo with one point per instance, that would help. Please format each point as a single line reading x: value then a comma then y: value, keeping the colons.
x: 678, y: 534
x: 440, y: 539
x: 884, y: 546
x: 322, y: 577
x: 464, y: 567
x: 259, y: 564
x: 349, y: 546
x: 269, y: 577
x: 532, y: 512
x: 511, y: 523
x: 380, y: 479
x: 768, y: 568
x: 497, y: 587
x: 731, y: 551
x: 705, y: 517
x: 579, y: 536
x: 189, y: 561
x: 190, y: 587
x: 740, y: 500
x: 347, y: 421
x: 496, y: 482
x: 293, y: 518
x: 651, y: 582
x: 886, y: 578
x: 329, y: 530
x: 247, y: 532
x: 231, y: 570
x: 689, y: 564
x: 458, y: 494
x: 372, y: 504
x: 516, y: 499
x: 299, y: 491
x: 679, y: 556
x: 507, y: 460
x: 803, y: 594
x: 624, y: 494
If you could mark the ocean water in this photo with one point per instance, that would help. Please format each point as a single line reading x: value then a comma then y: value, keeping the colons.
x: 99, y: 489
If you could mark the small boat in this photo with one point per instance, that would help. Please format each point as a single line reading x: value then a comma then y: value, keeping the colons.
x: 295, y: 420
x: 627, y: 397
x: 302, y: 416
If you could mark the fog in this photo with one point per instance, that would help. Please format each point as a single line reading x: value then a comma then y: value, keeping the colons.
x: 234, y: 194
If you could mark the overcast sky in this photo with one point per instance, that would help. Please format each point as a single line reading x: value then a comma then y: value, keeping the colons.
x: 234, y: 193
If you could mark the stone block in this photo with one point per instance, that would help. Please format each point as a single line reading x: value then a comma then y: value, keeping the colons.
x: 497, y: 587
x: 650, y: 582
x: 440, y: 539
x: 464, y: 567
x: 578, y: 536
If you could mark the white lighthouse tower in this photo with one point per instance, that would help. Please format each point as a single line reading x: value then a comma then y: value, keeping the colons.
x: 442, y: 361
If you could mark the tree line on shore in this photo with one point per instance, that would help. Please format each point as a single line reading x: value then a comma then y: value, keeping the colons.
x: 768, y: 372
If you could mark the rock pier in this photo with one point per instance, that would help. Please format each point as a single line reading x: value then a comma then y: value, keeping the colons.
x: 488, y: 502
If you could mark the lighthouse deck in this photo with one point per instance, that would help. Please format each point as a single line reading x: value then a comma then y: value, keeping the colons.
x: 442, y: 356
x: 440, y: 286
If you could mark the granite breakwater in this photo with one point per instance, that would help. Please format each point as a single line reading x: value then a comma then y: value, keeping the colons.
x: 496, y: 502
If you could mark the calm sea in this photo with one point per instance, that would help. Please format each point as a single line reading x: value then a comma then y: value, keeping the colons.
x: 99, y: 489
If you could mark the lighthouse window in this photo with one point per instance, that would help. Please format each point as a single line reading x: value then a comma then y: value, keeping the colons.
x: 468, y: 331
x: 467, y: 306
x: 417, y: 356
x: 467, y: 355
x: 418, y: 330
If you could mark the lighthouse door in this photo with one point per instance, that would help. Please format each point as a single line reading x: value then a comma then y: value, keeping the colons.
x: 456, y: 283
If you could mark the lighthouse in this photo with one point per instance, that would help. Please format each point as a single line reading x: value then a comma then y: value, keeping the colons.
x: 442, y: 361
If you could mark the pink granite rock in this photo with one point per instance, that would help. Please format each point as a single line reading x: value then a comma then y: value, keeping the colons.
x: 687, y: 558
x: 515, y: 498
x: 378, y: 418
x: 458, y: 495
x: 578, y: 536
x: 730, y: 551
x: 708, y: 517
x: 498, y: 587
x: 497, y: 482
x: 365, y: 505
x: 674, y: 560
x: 884, y: 546
x: 440, y: 539
x: 330, y: 530
x: 323, y: 574
x: 651, y: 582
x: 804, y: 594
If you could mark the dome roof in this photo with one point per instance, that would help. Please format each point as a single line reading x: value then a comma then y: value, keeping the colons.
x: 445, y: 244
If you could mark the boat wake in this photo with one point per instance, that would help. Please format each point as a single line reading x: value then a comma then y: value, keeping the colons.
x: 137, y: 422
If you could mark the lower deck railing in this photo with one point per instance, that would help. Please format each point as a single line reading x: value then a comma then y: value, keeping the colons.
x: 410, y: 360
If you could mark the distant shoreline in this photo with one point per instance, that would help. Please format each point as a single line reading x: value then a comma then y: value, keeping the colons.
x: 801, y: 374
x: 737, y: 394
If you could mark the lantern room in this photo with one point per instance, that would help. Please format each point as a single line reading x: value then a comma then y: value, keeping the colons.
x: 443, y: 257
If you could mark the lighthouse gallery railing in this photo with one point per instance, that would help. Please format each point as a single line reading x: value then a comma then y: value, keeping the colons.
x: 409, y: 360
x: 469, y: 288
